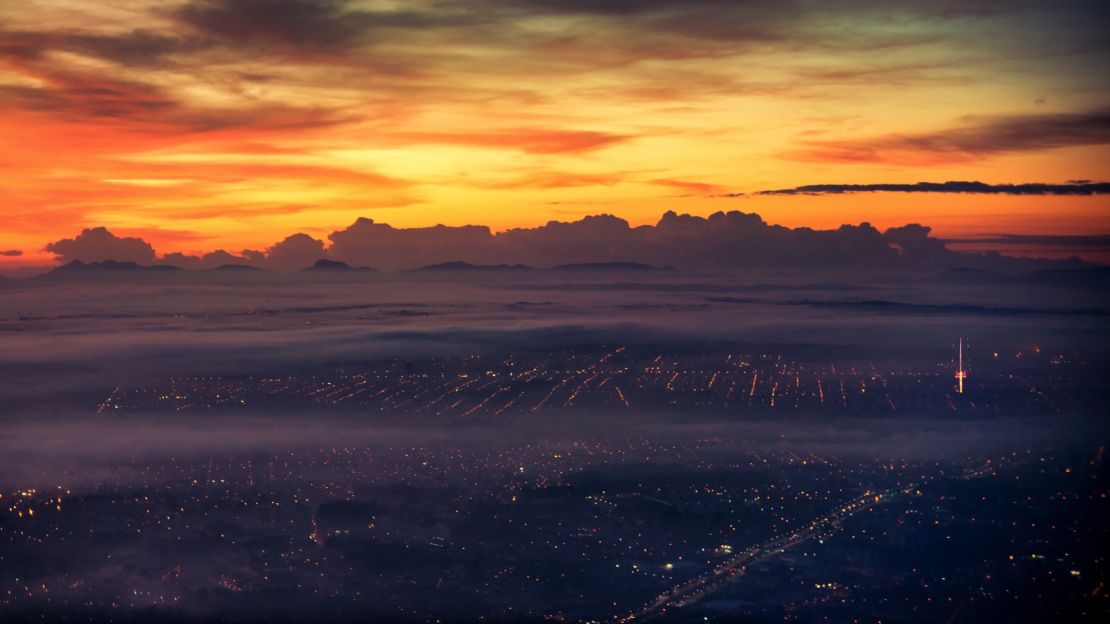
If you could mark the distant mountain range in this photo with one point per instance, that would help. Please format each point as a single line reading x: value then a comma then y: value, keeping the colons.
x: 466, y: 266
x: 78, y: 269
x: 111, y: 266
x: 1091, y: 277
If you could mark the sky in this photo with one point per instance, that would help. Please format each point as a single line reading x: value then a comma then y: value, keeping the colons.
x: 231, y: 124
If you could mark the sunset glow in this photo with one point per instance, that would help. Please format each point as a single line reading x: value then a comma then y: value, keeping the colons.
x: 231, y: 124
x: 514, y: 311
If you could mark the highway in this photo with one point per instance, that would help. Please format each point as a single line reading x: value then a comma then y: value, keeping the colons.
x: 736, y: 566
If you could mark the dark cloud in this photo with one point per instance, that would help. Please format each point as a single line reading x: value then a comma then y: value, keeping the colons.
x: 621, y: 7
x: 411, y: 53
x: 1097, y: 241
x: 209, y: 260
x: 295, y: 252
x: 303, y: 24
x: 11, y: 253
x: 917, y: 248
x: 380, y: 245
x: 95, y: 96
x: 220, y: 258
x: 980, y: 137
x: 705, y: 25
x: 98, y: 244
x: 722, y: 240
x: 1029, y: 188
x: 180, y: 260
x: 139, y: 47
x: 68, y: 90
x: 731, y: 240
x: 86, y: 94
x: 346, y: 33
x: 949, y: 9
x: 327, y: 29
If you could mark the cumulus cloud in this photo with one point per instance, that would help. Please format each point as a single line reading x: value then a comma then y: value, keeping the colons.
x: 366, y: 243
x: 295, y: 252
x: 723, y: 240
x: 916, y: 247
x: 98, y: 244
x: 732, y: 239
x: 1033, y: 188
x: 210, y: 260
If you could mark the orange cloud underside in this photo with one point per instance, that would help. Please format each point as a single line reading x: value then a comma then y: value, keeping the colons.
x: 215, y: 146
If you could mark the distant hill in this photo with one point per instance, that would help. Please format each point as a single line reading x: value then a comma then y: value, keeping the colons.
x: 466, y: 266
x: 110, y: 267
x: 607, y: 266
x: 236, y: 267
x: 329, y: 265
x: 326, y: 265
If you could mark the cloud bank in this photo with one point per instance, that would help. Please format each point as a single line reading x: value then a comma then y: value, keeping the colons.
x: 724, y: 240
x: 1035, y: 188
x: 98, y: 244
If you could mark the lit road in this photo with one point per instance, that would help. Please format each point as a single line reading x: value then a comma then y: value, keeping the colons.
x: 737, y: 566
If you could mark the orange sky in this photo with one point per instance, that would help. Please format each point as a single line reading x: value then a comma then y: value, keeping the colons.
x: 230, y: 124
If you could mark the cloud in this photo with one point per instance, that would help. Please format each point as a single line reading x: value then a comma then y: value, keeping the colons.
x: 550, y: 180
x: 1028, y: 188
x: 87, y: 94
x: 917, y: 248
x: 380, y: 245
x: 134, y: 91
x: 979, y: 138
x: 11, y: 253
x: 90, y: 95
x: 620, y: 7
x: 209, y: 260
x: 1096, y: 241
x: 295, y: 252
x: 98, y: 244
x: 318, y: 26
x: 138, y: 47
x: 701, y: 188
x: 180, y: 260
x: 200, y: 65
x: 532, y: 140
x: 723, y: 240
